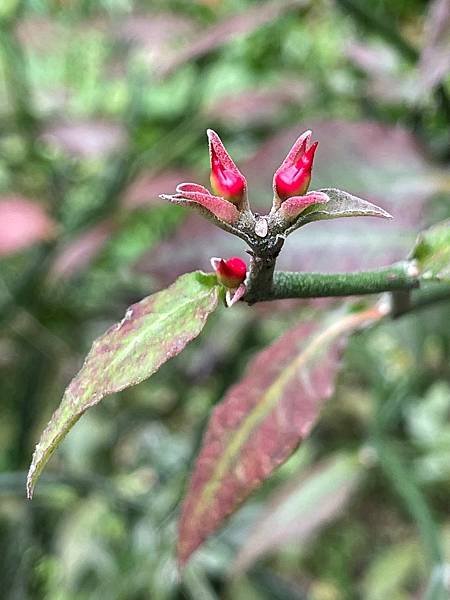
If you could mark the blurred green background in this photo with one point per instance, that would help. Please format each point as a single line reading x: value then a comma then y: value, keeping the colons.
x: 103, y: 106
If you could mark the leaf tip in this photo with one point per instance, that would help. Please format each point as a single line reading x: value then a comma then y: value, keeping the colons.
x: 30, y: 485
x: 184, y: 553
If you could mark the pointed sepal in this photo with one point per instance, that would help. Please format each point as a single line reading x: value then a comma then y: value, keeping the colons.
x: 293, y: 177
x: 233, y: 296
x: 292, y: 208
x: 226, y: 179
x: 192, y: 194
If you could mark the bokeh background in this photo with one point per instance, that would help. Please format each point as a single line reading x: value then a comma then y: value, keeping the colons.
x: 103, y: 106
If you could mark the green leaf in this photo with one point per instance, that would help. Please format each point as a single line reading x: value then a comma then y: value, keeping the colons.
x: 389, y: 573
x: 340, y: 204
x: 432, y: 252
x: 152, y: 331
x: 262, y: 420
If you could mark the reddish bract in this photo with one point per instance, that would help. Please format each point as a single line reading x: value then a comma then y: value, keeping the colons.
x: 226, y: 179
x: 215, y: 205
x: 294, y: 206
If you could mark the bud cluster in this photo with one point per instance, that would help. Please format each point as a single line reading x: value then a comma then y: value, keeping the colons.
x: 293, y: 205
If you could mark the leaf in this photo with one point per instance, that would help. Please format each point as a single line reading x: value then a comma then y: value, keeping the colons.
x: 23, y: 223
x: 86, y: 139
x: 79, y: 252
x: 152, y: 331
x: 434, y: 61
x: 302, y: 507
x: 340, y: 204
x: 261, y: 421
x: 386, y: 80
x: 432, y: 252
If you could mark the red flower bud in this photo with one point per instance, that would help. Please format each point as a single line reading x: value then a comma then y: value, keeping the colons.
x: 231, y: 273
x: 226, y: 179
x: 294, y: 175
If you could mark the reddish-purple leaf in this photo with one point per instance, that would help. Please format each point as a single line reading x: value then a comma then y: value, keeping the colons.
x: 22, y: 224
x: 78, y: 254
x: 434, y: 62
x: 86, y: 139
x: 261, y: 422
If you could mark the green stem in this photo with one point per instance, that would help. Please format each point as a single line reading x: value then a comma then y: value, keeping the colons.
x: 260, y: 278
x: 400, y: 276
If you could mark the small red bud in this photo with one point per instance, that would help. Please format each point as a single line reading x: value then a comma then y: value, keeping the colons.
x: 226, y: 179
x: 231, y: 273
x: 294, y: 175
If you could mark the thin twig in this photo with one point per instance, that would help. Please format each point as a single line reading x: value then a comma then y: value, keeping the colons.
x: 400, y: 276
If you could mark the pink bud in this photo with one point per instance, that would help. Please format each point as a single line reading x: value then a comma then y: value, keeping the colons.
x: 231, y: 273
x: 226, y: 179
x: 294, y: 175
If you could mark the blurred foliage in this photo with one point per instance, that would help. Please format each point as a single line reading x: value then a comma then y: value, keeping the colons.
x: 103, y: 105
